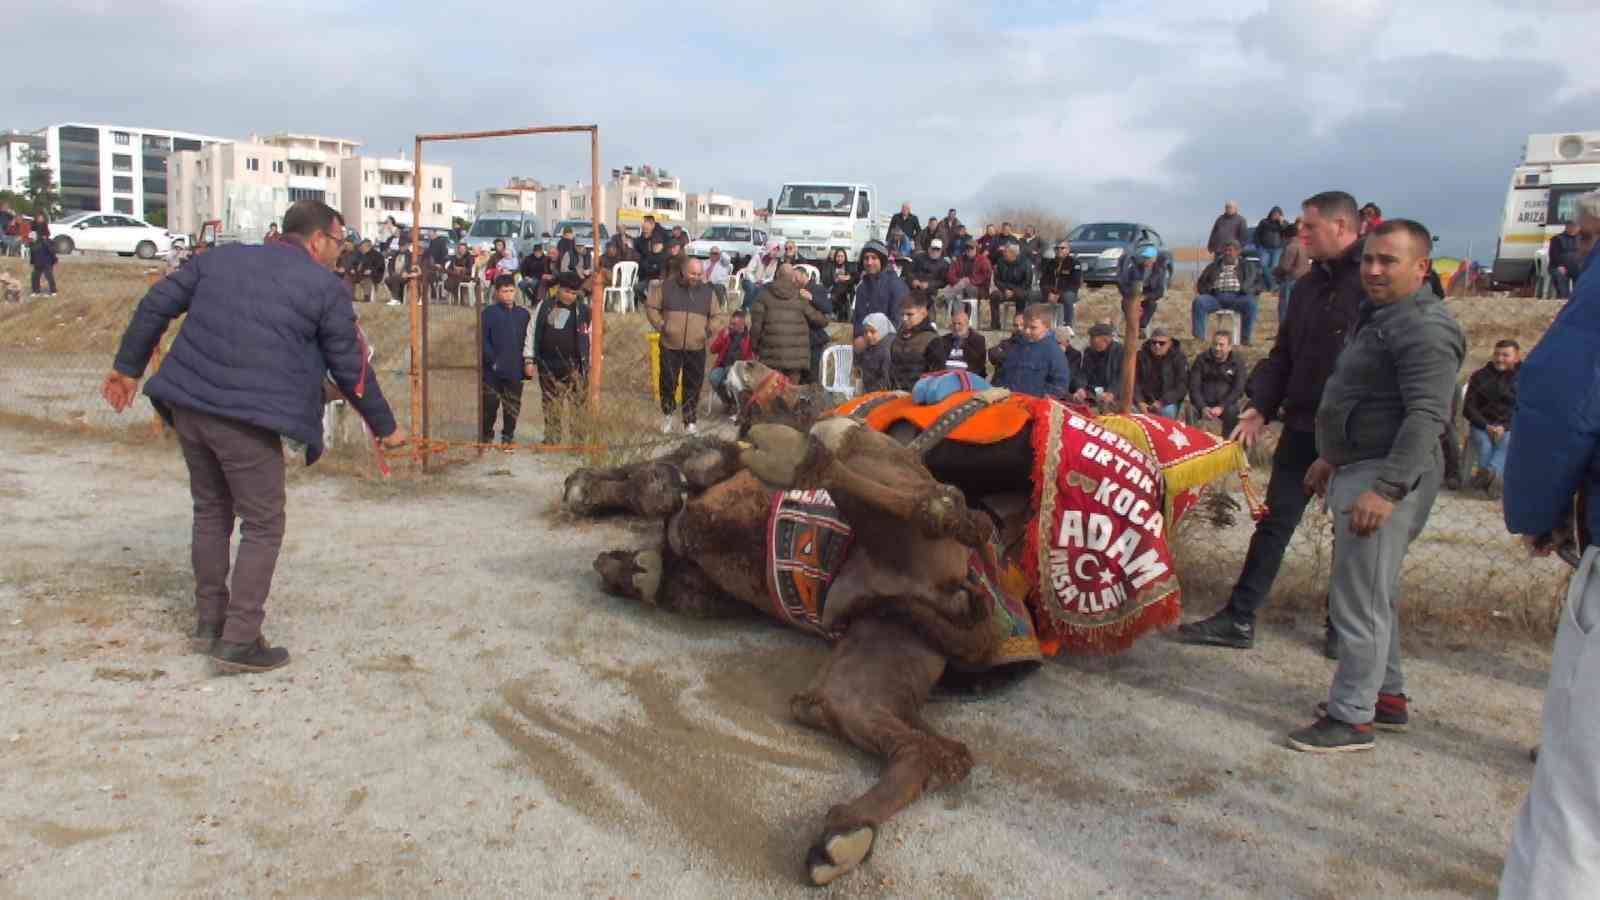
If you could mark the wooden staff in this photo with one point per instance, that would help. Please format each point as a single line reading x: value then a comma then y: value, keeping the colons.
x: 1130, y: 345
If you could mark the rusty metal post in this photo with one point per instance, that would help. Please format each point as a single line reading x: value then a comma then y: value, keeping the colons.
x: 597, y: 302
x: 477, y: 384
x: 418, y: 326
x: 1130, y: 346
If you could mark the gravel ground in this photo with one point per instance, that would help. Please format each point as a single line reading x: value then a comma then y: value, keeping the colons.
x: 467, y: 714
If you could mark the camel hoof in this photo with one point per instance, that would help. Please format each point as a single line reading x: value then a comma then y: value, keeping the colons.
x: 838, y: 853
x: 575, y: 493
x: 636, y: 576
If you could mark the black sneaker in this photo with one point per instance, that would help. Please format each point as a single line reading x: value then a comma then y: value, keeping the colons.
x: 205, y: 637
x: 1329, y: 735
x: 255, y: 656
x: 1220, y: 630
x: 1390, y: 713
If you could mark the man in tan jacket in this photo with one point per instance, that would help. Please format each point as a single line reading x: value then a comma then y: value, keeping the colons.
x: 681, y: 311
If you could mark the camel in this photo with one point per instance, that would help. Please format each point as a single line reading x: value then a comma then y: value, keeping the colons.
x: 917, y: 577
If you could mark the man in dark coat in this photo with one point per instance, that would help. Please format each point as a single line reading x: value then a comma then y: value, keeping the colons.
x: 906, y: 221
x: 1490, y: 401
x: 908, y: 357
x: 1161, y: 379
x: 880, y: 289
x: 369, y: 272
x: 1230, y: 226
x: 962, y: 348
x: 1216, y: 383
x: 505, y: 331
x: 557, y: 349
x: 266, y: 325
x: 1100, y: 379
x: 780, y: 324
x: 1013, y: 282
x: 1565, y: 260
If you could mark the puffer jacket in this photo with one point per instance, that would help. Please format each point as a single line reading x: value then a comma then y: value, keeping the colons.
x: 1491, y: 396
x: 265, y: 326
x: 681, y: 313
x: 909, y: 357
x: 1389, y: 395
x: 780, y: 326
x: 1322, y: 310
x: 1161, y: 379
x: 1216, y: 382
x: 883, y: 293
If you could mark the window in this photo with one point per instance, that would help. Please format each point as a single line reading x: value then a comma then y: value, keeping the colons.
x: 185, y: 144
x: 122, y: 183
x: 252, y: 164
x: 121, y: 138
x: 122, y: 205
x: 80, y: 135
x: 438, y: 184
x: 371, y: 203
x: 438, y: 208
x: 277, y: 167
x: 121, y: 162
x: 297, y: 194
x: 331, y: 172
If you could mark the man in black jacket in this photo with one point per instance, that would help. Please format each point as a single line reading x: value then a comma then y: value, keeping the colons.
x: 908, y: 356
x: 557, y: 349
x: 1288, y: 385
x: 266, y: 325
x: 962, y: 348
x: 1099, y: 381
x: 1565, y: 260
x: 1216, y: 383
x: 906, y: 221
x: 505, y: 331
x: 1162, y: 375
x: 1013, y: 280
x: 1060, y: 279
x: 369, y: 272
x: 1490, y: 401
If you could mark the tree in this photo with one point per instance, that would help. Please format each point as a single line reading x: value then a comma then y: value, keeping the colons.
x: 1051, y: 224
x: 460, y: 224
x: 157, y: 217
x: 17, y: 202
x: 41, y: 190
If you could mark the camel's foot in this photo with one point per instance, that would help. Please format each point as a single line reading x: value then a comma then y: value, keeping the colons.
x: 839, y: 851
x: 625, y: 573
x: 657, y: 490
x: 578, y: 493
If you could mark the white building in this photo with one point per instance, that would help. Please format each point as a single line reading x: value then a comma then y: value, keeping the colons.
x: 712, y: 208
x: 631, y: 195
x: 562, y: 202
x: 247, y: 185
x: 519, y: 195
x: 14, y: 147
x: 117, y: 168
x: 374, y: 189
x: 461, y: 209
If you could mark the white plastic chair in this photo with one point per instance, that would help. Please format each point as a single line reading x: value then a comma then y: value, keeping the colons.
x: 623, y: 276
x: 971, y: 303
x: 1230, y: 321
x: 838, y: 380
x: 812, y: 275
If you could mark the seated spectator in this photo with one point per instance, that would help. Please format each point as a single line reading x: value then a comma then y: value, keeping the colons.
x: 757, y: 273
x: 731, y: 345
x: 909, y: 357
x: 1100, y: 379
x: 1229, y: 282
x: 345, y: 265
x: 874, y: 362
x: 1216, y: 383
x: 1491, y: 399
x: 970, y: 277
x: 791, y: 254
x: 1064, y: 336
x: 1565, y: 260
x: 458, y: 271
x: 780, y: 325
x: 400, y: 270
x: 1035, y: 365
x: 962, y: 348
x: 501, y: 262
x: 997, y: 354
x: 718, y: 270
x: 839, y: 277
x: 1013, y: 282
x: 899, y: 244
x: 958, y: 243
x: 652, y: 266
x: 929, y: 269
x: 1161, y: 378
x: 1060, y: 279
x: 370, y: 269
x: 1145, y: 268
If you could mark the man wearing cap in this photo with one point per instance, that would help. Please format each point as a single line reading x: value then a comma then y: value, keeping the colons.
x: 928, y: 269
x: 557, y: 349
x: 1060, y: 279
x: 1100, y: 378
x: 880, y: 290
x: 1230, y: 282
x: 1146, y: 267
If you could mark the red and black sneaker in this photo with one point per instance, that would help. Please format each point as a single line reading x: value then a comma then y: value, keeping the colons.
x: 1329, y: 735
x: 1390, y: 714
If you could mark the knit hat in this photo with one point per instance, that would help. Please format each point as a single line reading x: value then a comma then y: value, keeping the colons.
x: 569, y: 281
x: 1101, y: 329
x: 880, y: 323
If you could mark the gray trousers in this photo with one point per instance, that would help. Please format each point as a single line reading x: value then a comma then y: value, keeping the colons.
x: 1364, y: 596
x: 235, y: 470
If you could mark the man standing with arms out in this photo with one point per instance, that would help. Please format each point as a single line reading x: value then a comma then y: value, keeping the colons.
x: 1555, y: 461
x: 1230, y: 226
x: 1378, y: 431
x: 682, y: 312
x: 1564, y: 260
x: 505, y: 331
x: 1216, y: 383
x: 1229, y: 283
x: 1288, y: 385
x: 265, y: 325
x: 907, y: 222
x: 1491, y: 398
x: 557, y: 348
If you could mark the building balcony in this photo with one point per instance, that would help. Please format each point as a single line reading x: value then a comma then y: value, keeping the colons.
x: 395, y: 165
x: 308, y: 182
x: 396, y: 191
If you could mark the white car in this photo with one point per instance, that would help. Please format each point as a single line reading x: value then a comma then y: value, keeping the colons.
x: 111, y: 232
x: 737, y: 242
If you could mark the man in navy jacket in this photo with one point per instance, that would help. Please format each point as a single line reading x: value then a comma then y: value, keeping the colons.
x: 505, y: 330
x: 266, y: 325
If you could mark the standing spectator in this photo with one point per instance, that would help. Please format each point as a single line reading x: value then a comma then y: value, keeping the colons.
x: 731, y: 345
x: 970, y: 277
x: 1216, y: 383
x: 505, y: 334
x: 1552, y: 467
x: 880, y: 290
x: 909, y: 358
x: 986, y: 241
x: 1035, y: 365
x: 1565, y: 260
x: 1292, y: 266
x: 557, y: 349
x: 272, y: 236
x: 1491, y: 399
x: 681, y: 311
x: 8, y: 230
x: 1371, y: 218
x: 1013, y: 282
x: 961, y: 348
x: 274, y: 318
x: 1061, y: 279
x: 1101, y: 377
x: 874, y: 362
x: 906, y: 222
x: 1230, y: 282
x: 370, y: 270
x: 42, y: 257
x: 1378, y: 438
x: 1161, y: 375
x: 718, y: 270
x: 759, y: 272
x: 1230, y: 226
x: 1269, y: 244
x: 1288, y: 385
x: 1145, y: 268
x: 780, y: 325
x: 652, y: 268
x: 840, y: 278
x: 649, y: 234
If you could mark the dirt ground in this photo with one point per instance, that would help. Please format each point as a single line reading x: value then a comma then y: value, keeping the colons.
x: 467, y: 714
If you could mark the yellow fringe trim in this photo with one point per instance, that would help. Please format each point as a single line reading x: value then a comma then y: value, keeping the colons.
x: 1209, y: 467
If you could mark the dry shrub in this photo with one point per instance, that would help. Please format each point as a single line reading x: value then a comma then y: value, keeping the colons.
x: 1051, y: 225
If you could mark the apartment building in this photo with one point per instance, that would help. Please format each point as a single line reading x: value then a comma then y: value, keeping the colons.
x: 116, y: 168
x: 376, y: 188
x: 712, y: 208
x: 14, y: 158
x: 561, y: 202
x: 631, y: 195
x: 247, y: 185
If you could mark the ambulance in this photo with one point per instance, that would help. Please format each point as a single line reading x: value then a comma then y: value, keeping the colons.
x: 1555, y: 170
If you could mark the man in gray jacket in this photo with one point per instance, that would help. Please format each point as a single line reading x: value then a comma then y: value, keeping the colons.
x: 1379, y: 469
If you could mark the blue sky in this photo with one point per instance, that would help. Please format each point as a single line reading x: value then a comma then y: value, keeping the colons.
x: 1154, y: 110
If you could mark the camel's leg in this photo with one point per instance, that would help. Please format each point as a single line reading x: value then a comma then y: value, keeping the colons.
x: 655, y: 487
x: 666, y: 582
x: 871, y: 693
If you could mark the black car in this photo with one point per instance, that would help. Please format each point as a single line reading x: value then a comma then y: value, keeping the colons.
x: 1100, y: 247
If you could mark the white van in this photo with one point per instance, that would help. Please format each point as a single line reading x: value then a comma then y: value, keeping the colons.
x: 822, y: 216
x: 1555, y: 170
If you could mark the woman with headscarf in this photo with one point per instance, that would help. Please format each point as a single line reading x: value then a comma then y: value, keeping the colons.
x: 759, y: 272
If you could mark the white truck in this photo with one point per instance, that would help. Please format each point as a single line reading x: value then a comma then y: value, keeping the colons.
x: 822, y: 216
x: 1555, y: 170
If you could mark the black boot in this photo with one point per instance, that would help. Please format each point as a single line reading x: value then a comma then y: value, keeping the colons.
x: 255, y: 656
x: 205, y: 637
x: 1220, y: 630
